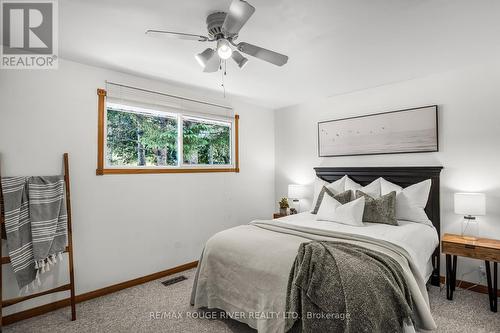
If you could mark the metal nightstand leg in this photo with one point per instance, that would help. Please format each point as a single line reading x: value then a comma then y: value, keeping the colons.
x: 492, y: 290
x: 451, y: 275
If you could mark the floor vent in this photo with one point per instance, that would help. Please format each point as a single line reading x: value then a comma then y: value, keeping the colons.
x: 171, y: 281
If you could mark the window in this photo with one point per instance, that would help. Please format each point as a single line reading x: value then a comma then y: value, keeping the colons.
x: 143, y: 140
x: 140, y: 138
x: 206, y: 142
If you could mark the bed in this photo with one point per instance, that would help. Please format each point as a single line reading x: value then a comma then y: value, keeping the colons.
x: 244, y: 270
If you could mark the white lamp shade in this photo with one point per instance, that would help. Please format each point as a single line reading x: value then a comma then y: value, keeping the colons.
x: 298, y: 191
x: 204, y: 57
x: 473, y: 204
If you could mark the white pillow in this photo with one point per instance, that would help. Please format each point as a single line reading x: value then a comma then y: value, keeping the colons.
x: 372, y: 189
x: 336, y: 187
x: 318, y: 185
x: 410, y: 201
x: 351, y: 213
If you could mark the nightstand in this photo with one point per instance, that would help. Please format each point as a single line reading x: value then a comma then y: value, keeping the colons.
x: 482, y: 249
x: 278, y: 215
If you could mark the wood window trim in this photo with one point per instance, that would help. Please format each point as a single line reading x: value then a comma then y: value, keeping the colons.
x: 101, y: 170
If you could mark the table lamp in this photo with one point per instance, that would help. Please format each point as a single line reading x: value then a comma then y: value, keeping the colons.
x: 470, y: 205
x: 297, y: 192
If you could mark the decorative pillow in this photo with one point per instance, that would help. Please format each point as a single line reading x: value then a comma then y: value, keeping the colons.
x: 317, y: 187
x: 410, y: 201
x: 336, y: 187
x: 343, y: 197
x: 379, y: 210
x: 372, y: 189
x: 351, y: 213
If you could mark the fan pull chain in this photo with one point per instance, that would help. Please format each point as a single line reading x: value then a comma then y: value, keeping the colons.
x: 223, y: 73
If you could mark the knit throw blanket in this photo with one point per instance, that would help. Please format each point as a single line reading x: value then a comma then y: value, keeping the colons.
x: 342, y: 287
x: 35, y: 225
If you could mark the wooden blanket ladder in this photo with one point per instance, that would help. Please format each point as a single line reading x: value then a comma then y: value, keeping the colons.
x: 69, y: 249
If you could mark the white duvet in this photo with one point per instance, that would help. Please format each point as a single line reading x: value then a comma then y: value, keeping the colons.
x: 418, y: 239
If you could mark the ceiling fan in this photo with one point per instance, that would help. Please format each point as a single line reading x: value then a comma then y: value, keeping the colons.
x: 223, y: 28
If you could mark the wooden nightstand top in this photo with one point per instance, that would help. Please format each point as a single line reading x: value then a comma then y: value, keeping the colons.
x: 482, y: 248
x: 278, y: 215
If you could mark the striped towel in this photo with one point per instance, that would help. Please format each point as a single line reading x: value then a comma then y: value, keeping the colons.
x: 18, y: 229
x: 48, y: 218
x: 35, y: 224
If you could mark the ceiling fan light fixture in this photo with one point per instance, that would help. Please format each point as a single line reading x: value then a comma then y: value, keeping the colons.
x: 204, y: 57
x: 224, y: 49
x: 224, y: 28
x: 239, y: 59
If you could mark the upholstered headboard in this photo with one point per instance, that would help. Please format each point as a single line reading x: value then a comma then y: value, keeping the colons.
x: 403, y: 176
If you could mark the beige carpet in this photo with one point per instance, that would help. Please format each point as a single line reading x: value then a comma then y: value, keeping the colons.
x: 130, y: 311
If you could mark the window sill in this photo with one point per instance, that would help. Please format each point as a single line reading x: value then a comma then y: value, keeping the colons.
x: 101, y: 172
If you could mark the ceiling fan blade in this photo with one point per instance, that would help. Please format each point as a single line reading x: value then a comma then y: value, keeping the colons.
x: 275, y: 58
x: 239, y: 13
x: 180, y: 35
x: 212, y: 64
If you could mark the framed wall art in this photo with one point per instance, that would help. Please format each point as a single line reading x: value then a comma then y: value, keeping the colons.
x: 404, y: 131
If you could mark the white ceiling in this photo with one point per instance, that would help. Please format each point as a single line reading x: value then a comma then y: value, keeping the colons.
x: 335, y: 46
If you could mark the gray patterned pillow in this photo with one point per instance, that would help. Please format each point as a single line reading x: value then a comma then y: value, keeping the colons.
x: 343, y: 197
x: 380, y: 210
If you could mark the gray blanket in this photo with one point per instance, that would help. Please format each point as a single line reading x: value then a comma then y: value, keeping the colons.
x: 48, y: 218
x: 18, y: 229
x: 35, y: 224
x: 342, y: 287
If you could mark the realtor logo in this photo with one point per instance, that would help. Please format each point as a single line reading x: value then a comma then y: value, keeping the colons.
x: 29, y: 34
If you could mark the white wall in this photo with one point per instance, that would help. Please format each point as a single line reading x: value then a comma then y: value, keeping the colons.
x: 469, y: 135
x: 126, y: 226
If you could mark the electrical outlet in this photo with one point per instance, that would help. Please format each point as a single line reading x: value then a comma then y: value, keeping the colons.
x: 482, y: 271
